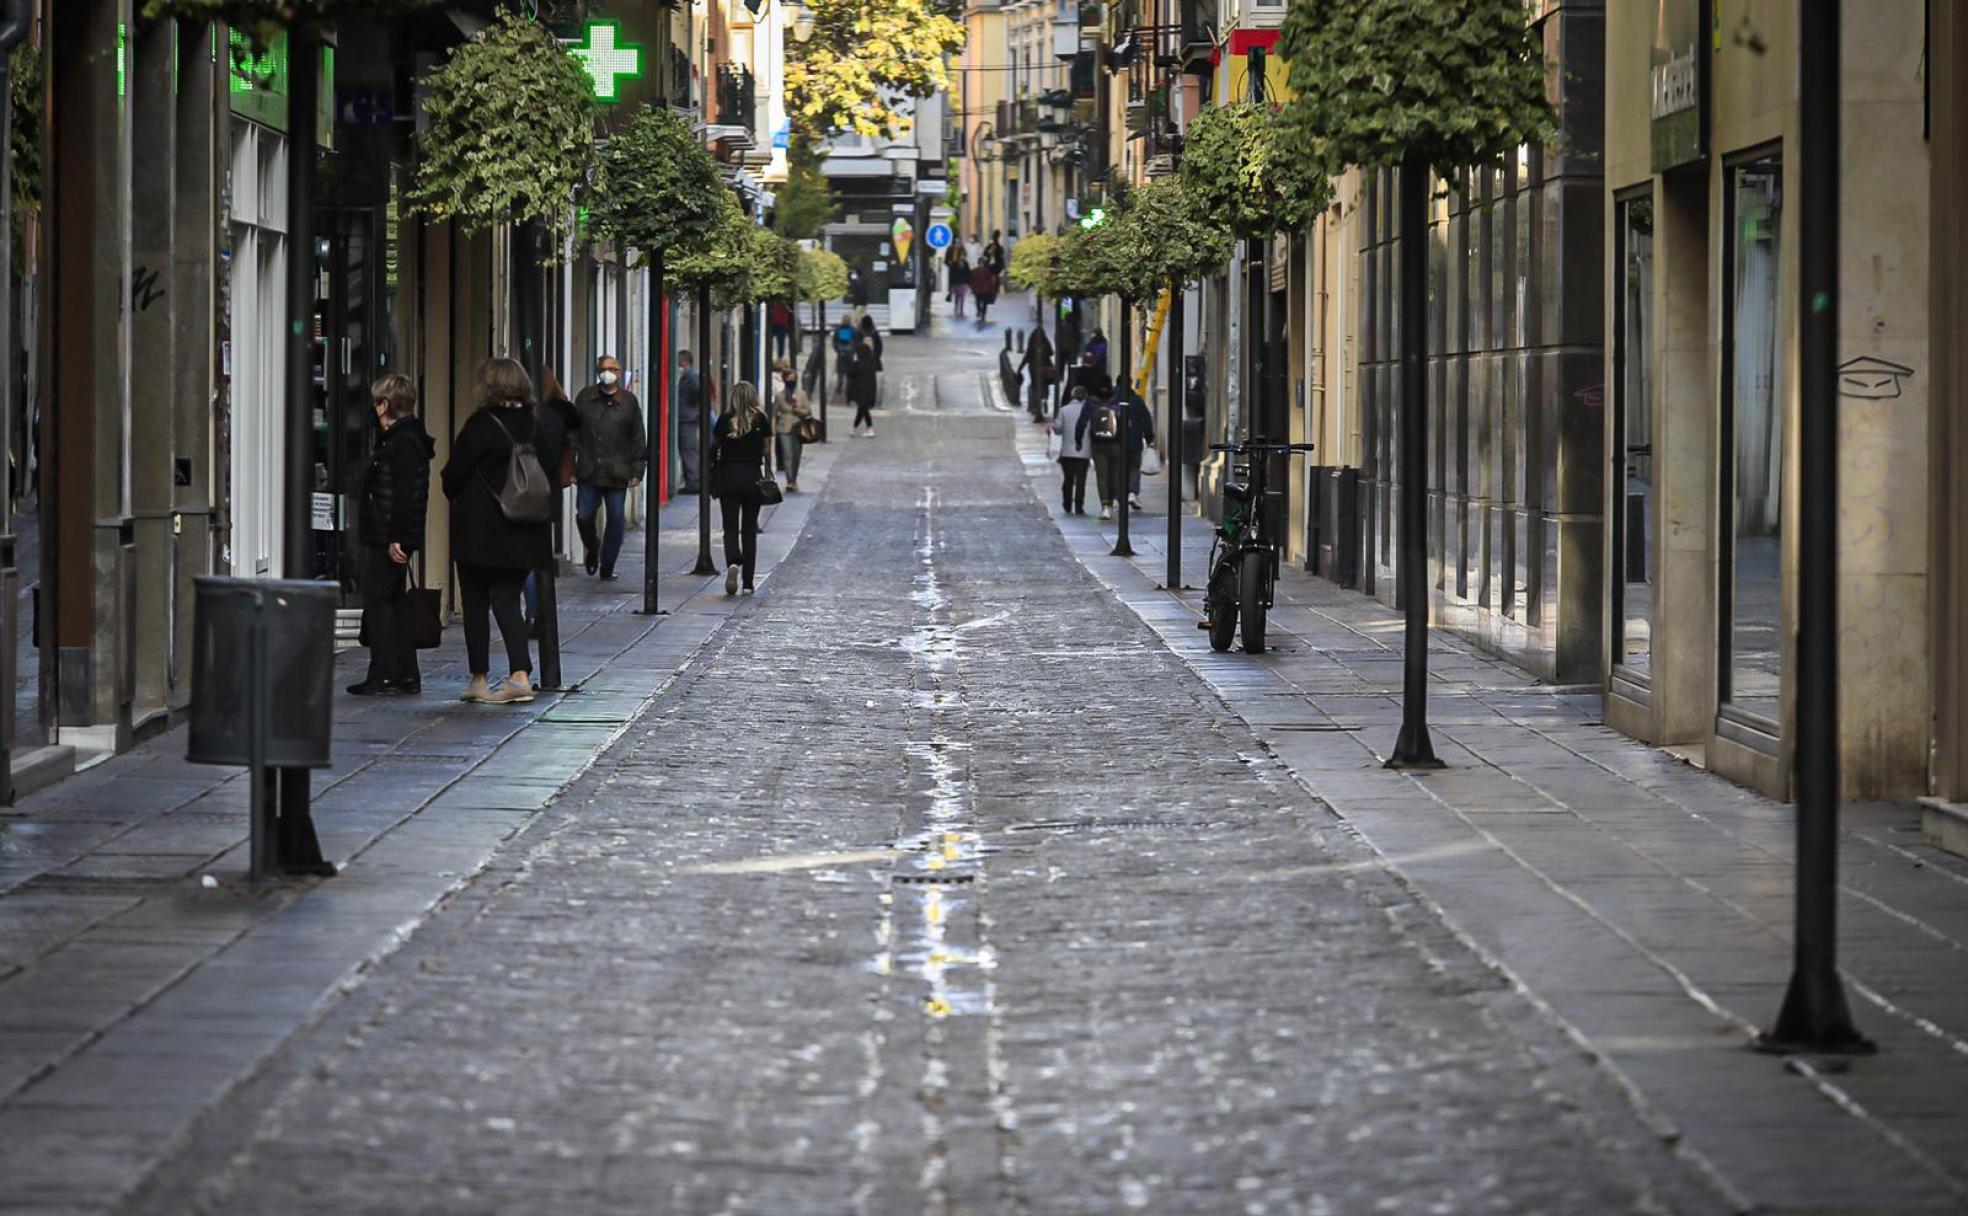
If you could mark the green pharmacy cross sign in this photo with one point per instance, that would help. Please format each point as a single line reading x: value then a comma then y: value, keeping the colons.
x: 606, y: 62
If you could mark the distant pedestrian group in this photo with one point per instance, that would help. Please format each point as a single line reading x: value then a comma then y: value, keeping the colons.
x: 1107, y: 432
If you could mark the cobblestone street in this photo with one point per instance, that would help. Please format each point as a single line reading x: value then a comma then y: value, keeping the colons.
x: 934, y: 884
x: 952, y: 874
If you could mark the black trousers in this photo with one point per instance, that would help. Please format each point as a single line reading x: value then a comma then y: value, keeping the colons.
x: 386, y: 619
x: 485, y: 593
x: 862, y: 413
x: 1073, y: 490
x: 741, y: 529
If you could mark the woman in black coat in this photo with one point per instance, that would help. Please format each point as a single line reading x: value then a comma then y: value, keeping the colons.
x: 390, y: 528
x: 863, y: 384
x: 494, y: 554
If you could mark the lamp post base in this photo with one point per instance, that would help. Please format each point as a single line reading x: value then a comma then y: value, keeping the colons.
x: 1814, y: 1020
x: 1414, y: 750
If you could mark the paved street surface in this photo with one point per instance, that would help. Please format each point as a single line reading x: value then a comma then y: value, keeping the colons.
x: 953, y: 874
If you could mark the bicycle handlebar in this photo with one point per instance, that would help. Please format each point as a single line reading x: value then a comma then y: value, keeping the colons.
x: 1250, y: 446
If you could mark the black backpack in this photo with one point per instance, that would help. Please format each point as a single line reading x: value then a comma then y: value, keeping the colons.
x: 1106, y: 424
x: 526, y: 497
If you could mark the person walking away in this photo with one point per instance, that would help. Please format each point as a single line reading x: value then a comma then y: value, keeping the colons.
x: 844, y: 335
x: 1140, y: 437
x: 739, y: 464
x: 779, y: 318
x: 863, y: 385
x: 501, y: 525
x: 984, y: 286
x: 558, y: 422
x: 993, y: 258
x: 1099, y: 426
x: 390, y: 529
x: 1075, y: 453
x: 689, y: 416
x: 872, y: 333
x: 1038, y: 361
x: 857, y: 291
x: 788, y: 411
x: 611, y: 454
x: 959, y: 263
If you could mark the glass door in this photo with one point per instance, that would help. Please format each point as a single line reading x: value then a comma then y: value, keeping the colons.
x: 1633, y: 426
x: 351, y: 337
x: 1751, y: 658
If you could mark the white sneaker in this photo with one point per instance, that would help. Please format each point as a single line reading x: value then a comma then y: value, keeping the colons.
x: 871, y: 432
x: 1106, y: 512
x: 731, y: 580
x: 1134, y: 504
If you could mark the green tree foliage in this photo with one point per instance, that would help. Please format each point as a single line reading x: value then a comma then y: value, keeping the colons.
x: 1092, y: 261
x: 739, y: 261
x: 1162, y: 237
x: 24, y: 152
x: 822, y: 275
x: 804, y: 203
x: 862, y: 56
x: 657, y: 188
x: 260, y: 20
x: 1236, y: 166
x: 1378, y: 80
x: 511, y: 131
x: 1031, y: 265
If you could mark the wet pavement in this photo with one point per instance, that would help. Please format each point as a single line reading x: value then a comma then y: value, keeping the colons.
x: 933, y: 883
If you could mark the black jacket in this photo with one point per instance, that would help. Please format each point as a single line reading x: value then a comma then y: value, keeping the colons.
x: 396, y: 488
x: 863, y: 368
x: 611, y: 449
x: 481, y: 535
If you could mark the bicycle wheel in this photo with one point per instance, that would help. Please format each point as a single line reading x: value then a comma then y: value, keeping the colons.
x: 1223, y: 605
x: 1251, y: 591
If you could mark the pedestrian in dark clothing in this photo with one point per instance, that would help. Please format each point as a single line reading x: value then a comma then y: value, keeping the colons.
x: 611, y: 454
x: 390, y: 528
x: 857, y: 289
x: 844, y: 335
x: 494, y: 553
x: 1088, y: 377
x: 558, y: 422
x: 1037, y: 362
x: 1096, y: 350
x: 994, y: 254
x: 1140, y: 436
x: 863, y: 385
x: 739, y: 447
x: 689, y: 416
x: 871, y: 334
x: 984, y: 286
x: 1099, y: 426
x: 959, y: 264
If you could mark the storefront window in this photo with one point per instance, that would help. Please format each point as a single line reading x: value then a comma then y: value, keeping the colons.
x: 1633, y: 422
x: 1754, y: 444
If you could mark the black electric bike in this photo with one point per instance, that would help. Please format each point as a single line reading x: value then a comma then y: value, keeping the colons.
x: 1243, y: 554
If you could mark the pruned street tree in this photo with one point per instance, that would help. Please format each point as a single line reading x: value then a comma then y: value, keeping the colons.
x: 1415, y: 86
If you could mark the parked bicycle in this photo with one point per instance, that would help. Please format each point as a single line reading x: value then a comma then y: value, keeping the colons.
x: 1243, y: 554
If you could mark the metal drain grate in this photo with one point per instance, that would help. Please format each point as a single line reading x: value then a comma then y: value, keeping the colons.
x: 1105, y: 825
x: 931, y: 880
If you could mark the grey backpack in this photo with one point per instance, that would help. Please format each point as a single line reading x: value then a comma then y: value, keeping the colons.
x: 527, y: 495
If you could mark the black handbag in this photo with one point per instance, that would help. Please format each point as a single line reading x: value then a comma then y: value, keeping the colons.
x: 768, y: 491
x: 426, y: 614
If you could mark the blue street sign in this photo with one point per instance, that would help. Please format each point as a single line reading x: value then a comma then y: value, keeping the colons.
x: 938, y: 236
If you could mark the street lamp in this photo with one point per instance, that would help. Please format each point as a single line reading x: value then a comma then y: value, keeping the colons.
x: 802, y: 22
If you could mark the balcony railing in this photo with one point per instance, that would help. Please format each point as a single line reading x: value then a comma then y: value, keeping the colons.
x: 736, y: 106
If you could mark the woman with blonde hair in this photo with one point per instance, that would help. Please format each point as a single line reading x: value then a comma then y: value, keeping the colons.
x: 501, y: 524
x: 739, y: 462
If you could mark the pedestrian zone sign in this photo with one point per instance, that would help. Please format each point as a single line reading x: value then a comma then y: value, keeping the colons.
x: 938, y: 236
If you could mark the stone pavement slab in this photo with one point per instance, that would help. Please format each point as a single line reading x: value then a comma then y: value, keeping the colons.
x: 133, y: 995
x: 1642, y: 902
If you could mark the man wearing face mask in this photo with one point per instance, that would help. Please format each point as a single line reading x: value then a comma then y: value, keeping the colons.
x: 611, y: 454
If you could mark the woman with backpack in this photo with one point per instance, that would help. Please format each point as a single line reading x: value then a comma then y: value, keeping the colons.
x: 501, y: 525
x: 738, y: 449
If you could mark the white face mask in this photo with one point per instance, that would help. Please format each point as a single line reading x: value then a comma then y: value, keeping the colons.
x: 608, y: 379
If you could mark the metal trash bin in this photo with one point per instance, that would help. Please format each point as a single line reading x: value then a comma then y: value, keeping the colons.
x: 262, y: 647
